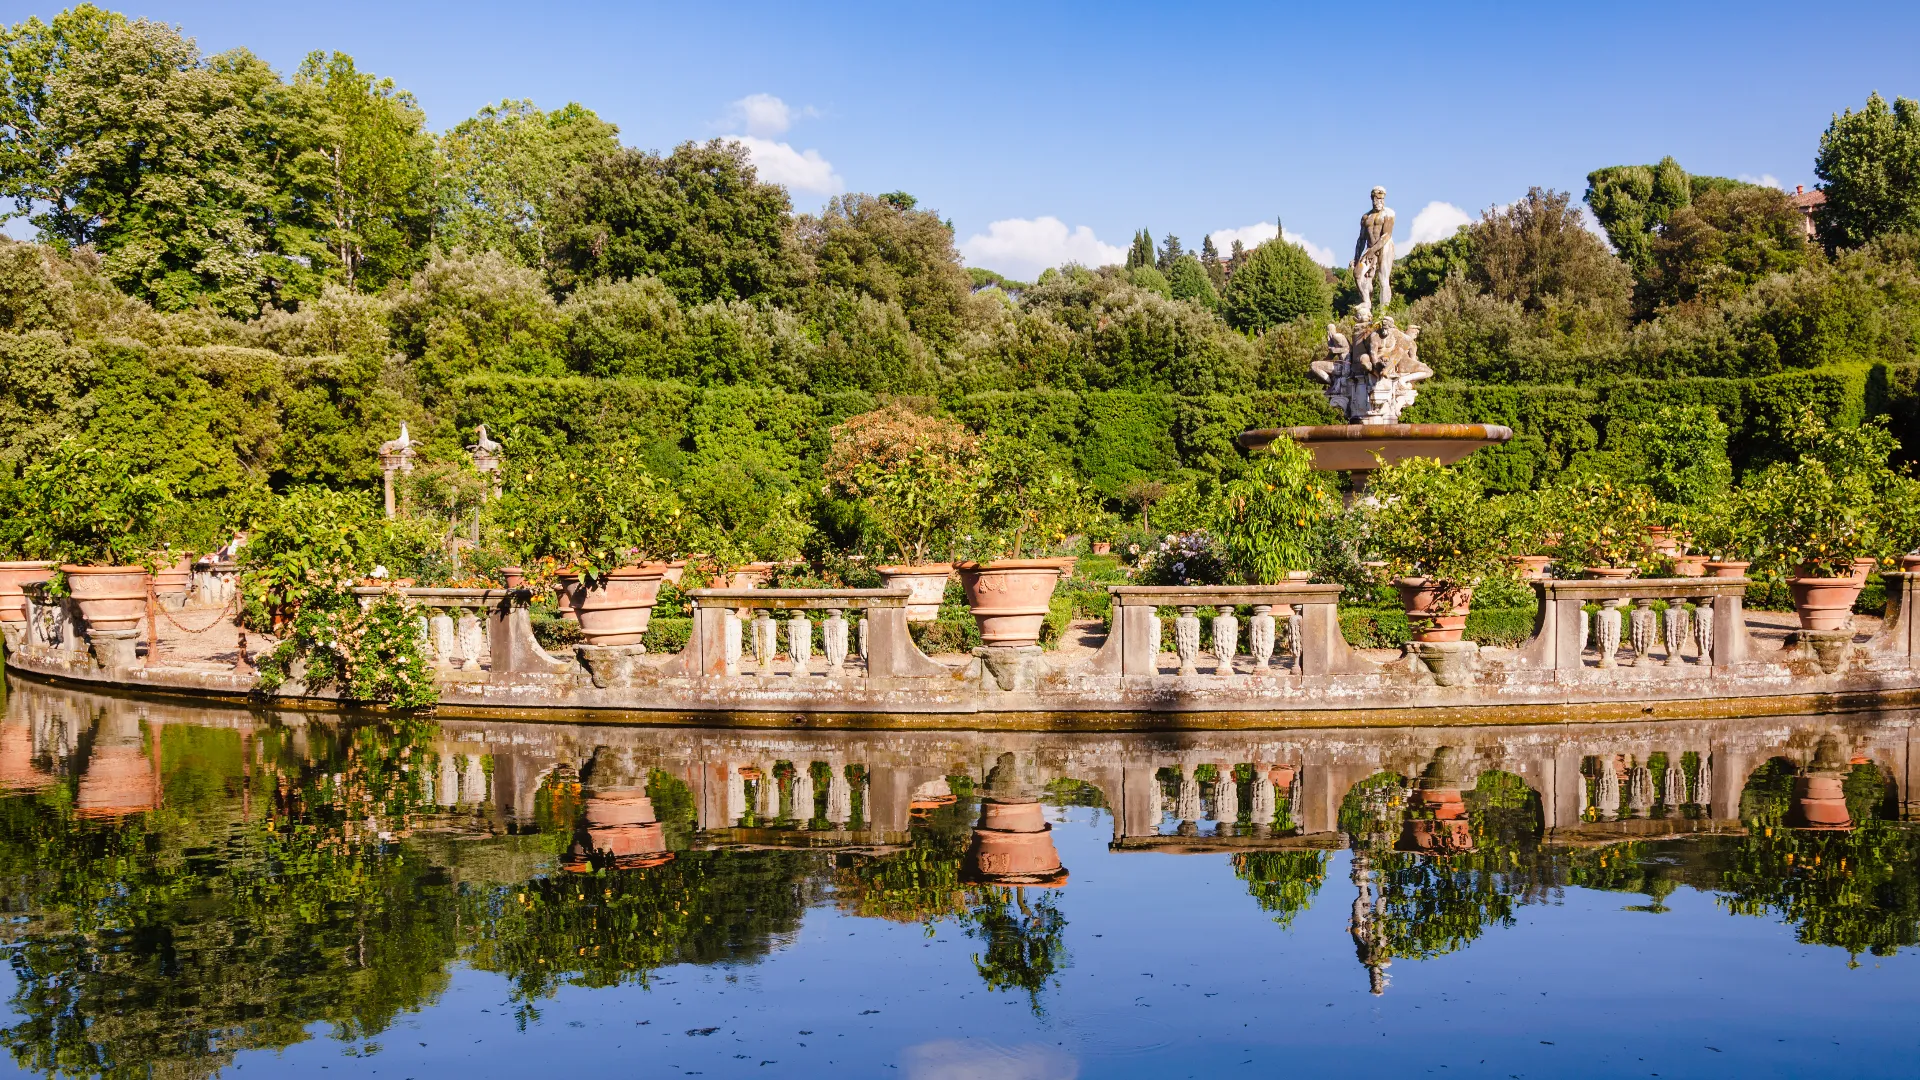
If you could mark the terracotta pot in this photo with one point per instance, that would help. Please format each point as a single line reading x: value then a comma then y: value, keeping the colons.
x: 1690, y: 566
x: 1013, y: 845
x: 1609, y: 573
x: 1299, y: 575
x: 1908, y: 563
x: 1008, y: 597
x: 617, y: 611
x: 14, y: 575
x: 1727, y: 569
x: 1430, y: 618
x: 1819, y: 802
x: 1824, y: 603
x: 172, y: 581
x: 514, y: 576
x: 110, y: 597
x: 750, y: 576
x: 1663, y: 540
x: 566, y: 596
x: 925, y: 583
x: 1863, y: 567
x: 676, y: 570
x: 1102, y: 547
x: 1531, y: 567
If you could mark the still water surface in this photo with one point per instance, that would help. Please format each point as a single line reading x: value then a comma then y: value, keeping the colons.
x: 200, y: 891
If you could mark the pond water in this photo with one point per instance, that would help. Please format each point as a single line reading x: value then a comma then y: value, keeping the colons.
x: 196, y: 891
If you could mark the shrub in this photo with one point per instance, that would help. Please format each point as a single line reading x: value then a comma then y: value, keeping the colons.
x: 1278, y: 283
x: 1432, y: 521
x: 1267, y: 516
x: 917, y: 478
x: 87, y: 506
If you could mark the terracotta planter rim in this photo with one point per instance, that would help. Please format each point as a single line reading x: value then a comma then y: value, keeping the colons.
x: 916, y: 568
x: 72, y: 569
x: 1019, y: 564
x: 27, y: 564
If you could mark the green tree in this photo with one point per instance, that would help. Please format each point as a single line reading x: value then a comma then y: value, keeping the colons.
x: 1425, y: 268
x: 1210, y: 260
x: 1870, y: 162
x: 1189, y: 281
x: 502, y: 168
x: 1726, y: 239
x: 1536, y: 253
x: 1141, y: 253
x: 698, y: 219
x: 879, y: 248
x: 369, y: 170
x: 1633, y: 202
x: 1170, y: 253
x: 1278, y: 283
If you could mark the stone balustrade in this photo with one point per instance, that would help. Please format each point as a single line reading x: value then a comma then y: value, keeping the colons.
x: 1309, y: 613
x: 720, y: 616
x: 1714, y: 631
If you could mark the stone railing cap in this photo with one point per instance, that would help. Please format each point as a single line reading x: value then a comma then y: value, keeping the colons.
x: 820, y: 599
x: 1232, y: 595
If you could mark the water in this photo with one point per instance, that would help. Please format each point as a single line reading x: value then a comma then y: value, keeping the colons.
x: 193, y: 891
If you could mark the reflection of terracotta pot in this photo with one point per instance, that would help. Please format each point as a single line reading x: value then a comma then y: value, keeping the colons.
x: 1531, y: 567
x: 16, y: 760
x: 1820, y: 802
x: 1013, y: 845
x: 1447, y: 830
x: 1009, y: 597
x: 619, y: 806
x: 1609, y: 573
x: 1731, y: 568
x: 172, y: 581
x: 621, y: 825
x: 1431, y: 617
x: 1690, y: 566
x: 617, y: 611
x: 1824, y: 603
x: 926, y: 584
x: 13, y: 575
x: 118, y: 781
x: 110, y: 597
x: 1281, y: 776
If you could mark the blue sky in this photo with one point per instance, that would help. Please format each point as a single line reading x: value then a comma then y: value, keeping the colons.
x: 1052, y: 131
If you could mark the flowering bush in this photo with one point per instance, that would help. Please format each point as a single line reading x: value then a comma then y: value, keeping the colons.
x: 1601, y: 523
x: 1183, y: 559
x: 370, y: 654
x: 917, y: 477
x: 592, y: 515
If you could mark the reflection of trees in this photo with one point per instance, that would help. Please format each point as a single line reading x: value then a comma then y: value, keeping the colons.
x: 1282, y: 882
x: 1024, y: 938
x: 920, y: 883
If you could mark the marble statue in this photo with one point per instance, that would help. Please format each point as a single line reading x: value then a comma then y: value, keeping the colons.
x: 1371, y: 378
x: 1373, y: 256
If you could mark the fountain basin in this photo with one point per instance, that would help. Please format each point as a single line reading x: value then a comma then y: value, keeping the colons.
x: 1352, y: 447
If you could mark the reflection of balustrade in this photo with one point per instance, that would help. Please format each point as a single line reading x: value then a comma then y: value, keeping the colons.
x: 715, y: 648
x: 1561, y: 632
x: 1314, y: 638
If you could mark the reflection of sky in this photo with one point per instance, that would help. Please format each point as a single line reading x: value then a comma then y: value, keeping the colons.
x: 1174, y: 971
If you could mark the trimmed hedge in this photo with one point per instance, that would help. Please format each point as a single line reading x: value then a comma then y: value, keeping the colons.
x: 1386, y: 628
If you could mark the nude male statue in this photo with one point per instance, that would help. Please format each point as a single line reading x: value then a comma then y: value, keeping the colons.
x: 1373, y: 256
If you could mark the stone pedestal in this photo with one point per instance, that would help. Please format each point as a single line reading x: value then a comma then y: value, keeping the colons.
x: 1451, y: 662
x: 1009, y: 667
x: 1830, y: 649
x: 114, y: 650
x: 611, y: 665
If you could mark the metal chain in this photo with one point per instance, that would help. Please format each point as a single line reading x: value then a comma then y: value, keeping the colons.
x: 219, y: 617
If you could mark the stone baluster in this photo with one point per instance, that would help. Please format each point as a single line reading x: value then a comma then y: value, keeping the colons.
x: 1226, y: 641
x: 1226, y: 796
x: 1674, y: 791
x: 473, y: 644
x: 1641, y: 629
x: 1261, y: 805
x: 1186, y: 639
x: 730, y: 635
x: 736, y: 795
x: 1607, y: 794
x: 1703, y: 628
x: 1676, y: 630
x: 863, y: 637
x: 1186, y: 806
x: 803, y: 791
x: 1586, y: 629
x: 1294, y: 622
x: 800, y: 642
x: 1639, y: 790
x: 765, y: 641
x: 839, y: 794
x: 1260, y: 637
x: 446, y: 644
x: 833, y: 634
x: 1608, y: 631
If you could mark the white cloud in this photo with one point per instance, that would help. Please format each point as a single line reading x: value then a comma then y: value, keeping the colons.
x: 1252, y: 236
x: 953, y: 1060
x: 765, y: 115
x: 1764, y: 180
x: 800, y: 170
x: 1022, y: 247
x: 1437, y: 221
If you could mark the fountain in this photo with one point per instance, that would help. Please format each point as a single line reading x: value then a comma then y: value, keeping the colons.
x: 1370, y: 374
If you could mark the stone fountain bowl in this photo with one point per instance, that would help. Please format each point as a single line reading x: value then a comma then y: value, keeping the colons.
x: 1352, y: 447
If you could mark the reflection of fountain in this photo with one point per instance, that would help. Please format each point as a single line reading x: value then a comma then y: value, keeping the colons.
x: 1369, y: 374
x: 1012, y: 844
x: 1819, y: 792
x: 119, y: 779
x: 1437, y: 814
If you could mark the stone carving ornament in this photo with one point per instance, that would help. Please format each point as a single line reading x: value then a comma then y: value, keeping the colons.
x: 1372, y: 365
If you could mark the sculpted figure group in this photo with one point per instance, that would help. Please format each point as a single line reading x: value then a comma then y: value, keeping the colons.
x: 1370, y: 377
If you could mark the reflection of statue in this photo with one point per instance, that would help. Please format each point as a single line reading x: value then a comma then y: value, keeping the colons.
x: 1373, y: 256
x: 1370, y: 380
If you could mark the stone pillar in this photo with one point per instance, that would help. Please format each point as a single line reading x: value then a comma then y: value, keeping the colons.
x: 1641, y: 629
x: 1608, y: 631
x: 833, y: 633
x: 800, y: 641
x: 1260, y: 637
x: 1186, y: 640
x: 1676, y: 630
x: 1226, y: 641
